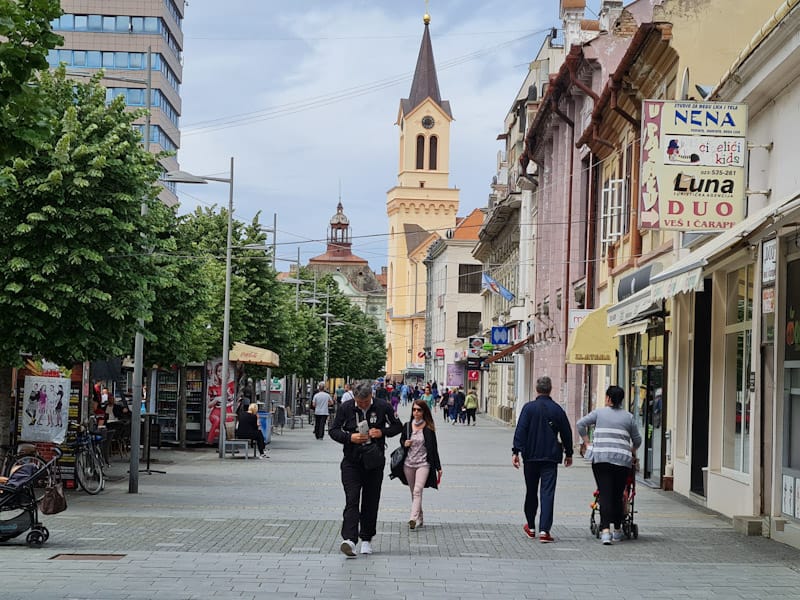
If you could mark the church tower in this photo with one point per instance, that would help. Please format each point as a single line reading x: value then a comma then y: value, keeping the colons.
x: 420, y: 208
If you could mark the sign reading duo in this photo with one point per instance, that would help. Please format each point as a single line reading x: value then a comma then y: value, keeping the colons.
x: 693, y: 162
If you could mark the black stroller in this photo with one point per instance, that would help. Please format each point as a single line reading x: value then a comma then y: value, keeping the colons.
x: 18, y: 495
x: 629, y: 528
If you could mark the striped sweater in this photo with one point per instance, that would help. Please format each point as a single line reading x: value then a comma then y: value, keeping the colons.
x: 615, y: 435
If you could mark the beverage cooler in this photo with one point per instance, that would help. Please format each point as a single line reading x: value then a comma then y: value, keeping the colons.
x: 195, y: 404
x: 167, y: 405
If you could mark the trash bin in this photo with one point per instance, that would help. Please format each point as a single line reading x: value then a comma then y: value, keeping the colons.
x: 265, y: 423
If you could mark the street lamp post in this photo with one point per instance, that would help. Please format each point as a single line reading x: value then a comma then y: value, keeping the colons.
x: 183, y: 177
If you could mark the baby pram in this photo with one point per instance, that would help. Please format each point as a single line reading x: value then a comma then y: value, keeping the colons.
x: 18, y: 496
x: 629, y: 528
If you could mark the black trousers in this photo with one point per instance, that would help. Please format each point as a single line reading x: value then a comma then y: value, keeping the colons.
x: 610, y: 481
x: 362, y: 493
x: 319, y: 425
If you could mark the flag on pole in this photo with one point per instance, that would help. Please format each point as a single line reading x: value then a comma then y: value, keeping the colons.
x: 490, y: 283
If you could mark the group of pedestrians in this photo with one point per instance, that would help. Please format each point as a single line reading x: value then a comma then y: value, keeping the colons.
x: 459, y: 408
x: 543, y: 438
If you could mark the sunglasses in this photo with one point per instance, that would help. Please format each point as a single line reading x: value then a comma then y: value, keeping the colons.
x: 416, y: 409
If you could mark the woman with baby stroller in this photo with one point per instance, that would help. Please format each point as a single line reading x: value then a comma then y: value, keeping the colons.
x: 616, y: 439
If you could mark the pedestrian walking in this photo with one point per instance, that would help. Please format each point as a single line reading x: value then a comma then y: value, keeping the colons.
x: 321, y: 403
x: 541, y: 423
x: 461, y: 411
x: 427, y: 396
x: 362, y: 426
x: 421, y: 467
x: 471, y: 405
x: 616, y: 439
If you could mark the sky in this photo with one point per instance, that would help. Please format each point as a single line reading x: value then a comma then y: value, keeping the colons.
x: 304, y: 95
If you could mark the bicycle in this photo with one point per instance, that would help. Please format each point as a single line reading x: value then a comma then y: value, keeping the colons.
x: 26, y: 454
x: 88, y: 458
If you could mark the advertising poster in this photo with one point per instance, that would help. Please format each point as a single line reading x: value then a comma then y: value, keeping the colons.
x: 787, y: 504
x: 693, y: 165
x: 45, y: 409
x: 214, y: 392
x: 455, y: 375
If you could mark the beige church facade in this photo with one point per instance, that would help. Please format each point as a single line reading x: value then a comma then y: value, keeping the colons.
x: 420, y: 208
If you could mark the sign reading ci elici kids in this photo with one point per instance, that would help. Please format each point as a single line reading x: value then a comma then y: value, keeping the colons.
x: 693, y: 161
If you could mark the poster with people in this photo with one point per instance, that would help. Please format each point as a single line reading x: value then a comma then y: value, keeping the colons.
x: 214, y: 397
x: 45, y: 409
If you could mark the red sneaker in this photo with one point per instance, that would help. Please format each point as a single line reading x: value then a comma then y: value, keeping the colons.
x: 545, y: 537
x: 528, y: 532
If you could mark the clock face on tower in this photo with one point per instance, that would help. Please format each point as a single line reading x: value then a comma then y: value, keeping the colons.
x: 428, y: 122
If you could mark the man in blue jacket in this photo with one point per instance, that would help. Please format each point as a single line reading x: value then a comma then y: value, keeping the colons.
x: 540, y: 425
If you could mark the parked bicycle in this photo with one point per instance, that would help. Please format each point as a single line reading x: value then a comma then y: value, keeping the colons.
x: 86, y: 445
x: 26, y: 454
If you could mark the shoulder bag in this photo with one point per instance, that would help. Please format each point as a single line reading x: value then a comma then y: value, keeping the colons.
x: 398, y: 456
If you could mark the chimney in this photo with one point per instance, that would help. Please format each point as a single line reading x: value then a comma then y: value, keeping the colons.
x: 610, y: 12
x: 572, y: 14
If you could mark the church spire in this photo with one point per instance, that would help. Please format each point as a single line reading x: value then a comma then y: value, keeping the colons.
x: 426, y: 83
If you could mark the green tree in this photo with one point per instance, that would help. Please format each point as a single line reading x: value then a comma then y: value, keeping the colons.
x: 25, y: 39
x: 72, y: 235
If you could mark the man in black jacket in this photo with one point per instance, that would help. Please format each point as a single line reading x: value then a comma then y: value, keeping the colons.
x: 359, y: 424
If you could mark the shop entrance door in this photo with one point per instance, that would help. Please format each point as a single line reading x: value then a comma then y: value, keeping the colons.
x: 650, y: 414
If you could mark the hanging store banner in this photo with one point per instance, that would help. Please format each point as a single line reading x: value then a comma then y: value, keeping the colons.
x: 693, y: 162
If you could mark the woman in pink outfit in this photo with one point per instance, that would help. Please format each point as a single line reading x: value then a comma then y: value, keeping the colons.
x: 422, y: 467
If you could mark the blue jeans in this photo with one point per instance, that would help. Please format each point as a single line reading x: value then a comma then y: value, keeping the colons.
x: 540, y: 477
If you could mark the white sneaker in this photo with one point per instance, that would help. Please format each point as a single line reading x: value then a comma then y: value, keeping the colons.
x: 348, y: 548
x: 366, y: 547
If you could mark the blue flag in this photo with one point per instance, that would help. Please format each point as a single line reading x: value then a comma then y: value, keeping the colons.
x: 490, y: 283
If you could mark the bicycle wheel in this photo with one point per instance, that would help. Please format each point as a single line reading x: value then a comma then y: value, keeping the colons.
x: 88, y: 471
x: 45, y: 480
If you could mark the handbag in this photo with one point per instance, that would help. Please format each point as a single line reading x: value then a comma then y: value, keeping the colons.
x: 372, y: 456
x: 54, y: 500
x: 398, y: 456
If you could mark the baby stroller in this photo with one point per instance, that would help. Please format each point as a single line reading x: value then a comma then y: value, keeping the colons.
x: 629, y: 528
x: 18, y: 495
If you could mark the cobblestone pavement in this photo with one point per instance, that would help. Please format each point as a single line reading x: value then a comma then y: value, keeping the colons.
x: 236, y: 528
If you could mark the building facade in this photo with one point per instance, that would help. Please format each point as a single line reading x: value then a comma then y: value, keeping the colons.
x: 453, y: 305
x: 352, y: 273
x: 115, y: 36
x: 419, y: 208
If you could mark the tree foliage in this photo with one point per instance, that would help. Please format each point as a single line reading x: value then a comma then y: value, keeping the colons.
x: 25, y: 39
x: 72, y: 235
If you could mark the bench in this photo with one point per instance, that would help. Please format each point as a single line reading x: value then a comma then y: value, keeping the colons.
x: 234, y: 445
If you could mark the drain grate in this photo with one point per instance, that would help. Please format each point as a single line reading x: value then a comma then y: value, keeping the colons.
x: 88, y: 556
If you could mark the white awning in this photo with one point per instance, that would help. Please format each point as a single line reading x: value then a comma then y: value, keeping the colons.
x: 630, y: 308
x: 686, y: 274
x: 631, y: 328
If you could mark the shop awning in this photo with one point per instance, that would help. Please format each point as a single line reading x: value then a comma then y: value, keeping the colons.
x: 631, y: 328
x: 253, y: 355
x: 686, y: 274
x: 592, y: 342
x: 633, y: 307
x: 507, y: 351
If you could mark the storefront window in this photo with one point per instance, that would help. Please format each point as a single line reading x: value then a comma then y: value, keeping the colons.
x: 738, y: 345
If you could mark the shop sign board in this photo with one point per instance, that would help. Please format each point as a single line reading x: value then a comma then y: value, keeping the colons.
x: 475, y: 346
x: 692, y: 165
x: 769, y: 253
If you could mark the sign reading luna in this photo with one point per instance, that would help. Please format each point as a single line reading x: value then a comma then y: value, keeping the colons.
x: 693, y: 163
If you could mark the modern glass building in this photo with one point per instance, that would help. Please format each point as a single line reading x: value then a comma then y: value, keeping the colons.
x: 114, y: 35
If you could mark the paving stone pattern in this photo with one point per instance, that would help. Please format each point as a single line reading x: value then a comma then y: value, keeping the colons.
x: 212, y: 528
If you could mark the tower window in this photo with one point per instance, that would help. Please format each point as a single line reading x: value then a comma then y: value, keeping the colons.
x: 420, y: 152
x: 433, y: 151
